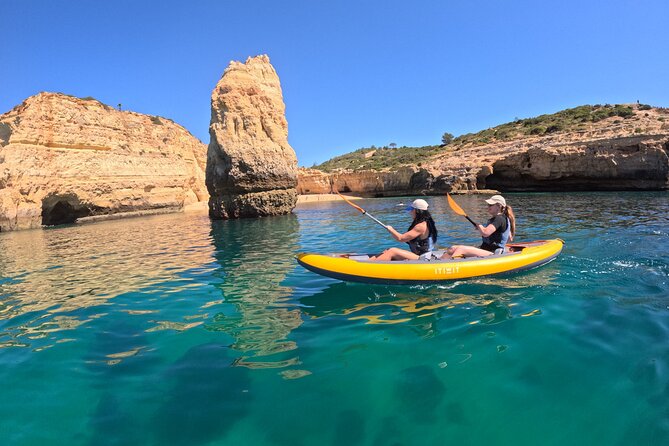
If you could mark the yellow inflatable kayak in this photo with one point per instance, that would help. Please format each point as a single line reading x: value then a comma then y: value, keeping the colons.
x: 358, y: 267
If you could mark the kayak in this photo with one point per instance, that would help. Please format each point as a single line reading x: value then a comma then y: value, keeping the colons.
x: 359, y: 267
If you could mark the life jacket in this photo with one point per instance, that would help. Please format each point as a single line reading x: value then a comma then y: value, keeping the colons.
x: 492, y: 246
x: 418, y: 246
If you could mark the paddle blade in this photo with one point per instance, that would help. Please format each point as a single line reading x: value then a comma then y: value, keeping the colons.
x: 355, y: 206
x: 457, y: 209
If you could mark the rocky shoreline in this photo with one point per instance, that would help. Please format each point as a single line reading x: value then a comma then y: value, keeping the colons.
x: 318, y: 198
x: 557, y: 163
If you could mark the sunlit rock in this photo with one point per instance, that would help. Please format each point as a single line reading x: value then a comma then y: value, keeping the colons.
x: 64, y: 158
x: 251, y: 168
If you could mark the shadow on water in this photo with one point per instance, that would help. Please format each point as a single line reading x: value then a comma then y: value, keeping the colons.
x: 119, y: 352
x: 255, y: 256
x: 114, y: 426
x: 349, y: 428
x: 419, y: 392
x: 207, y: 398
x: 119, y: 349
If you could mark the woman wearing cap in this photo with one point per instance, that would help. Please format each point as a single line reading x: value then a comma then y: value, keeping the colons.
x: 421, y: 235
x: 500, y: 229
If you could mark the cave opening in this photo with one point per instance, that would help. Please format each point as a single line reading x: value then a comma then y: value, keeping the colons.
x: 62, y: 209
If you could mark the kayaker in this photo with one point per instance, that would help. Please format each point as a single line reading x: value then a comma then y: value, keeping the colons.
x: 421, y: 235
x: 499, y: 230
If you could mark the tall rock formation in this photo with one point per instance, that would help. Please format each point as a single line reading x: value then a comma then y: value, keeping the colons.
x: 63, y: 158
x: 251, y: 168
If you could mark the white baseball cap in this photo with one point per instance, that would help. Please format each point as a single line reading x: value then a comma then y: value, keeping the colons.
x: 496, y: 199
x: 418, y: 204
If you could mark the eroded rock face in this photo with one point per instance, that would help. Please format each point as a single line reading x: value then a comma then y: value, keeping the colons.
x: 64, y: 158
x: 613, y: 154
x: 251, y: 168
x: 610, y: 154
x: 625, y: 163
x: 370, y: 183
x: 313, y: 181
x: 632, y: 163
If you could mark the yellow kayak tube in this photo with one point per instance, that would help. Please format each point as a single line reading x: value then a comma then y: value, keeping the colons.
x: 359, y: 268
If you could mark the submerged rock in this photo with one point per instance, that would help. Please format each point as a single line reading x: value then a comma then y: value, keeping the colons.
x: 419, y: 392
x: 64, y: 158
x: 251, y: 168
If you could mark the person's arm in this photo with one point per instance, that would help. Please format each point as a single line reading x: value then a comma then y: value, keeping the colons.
x: 415, y: 232
x: 487, y: 231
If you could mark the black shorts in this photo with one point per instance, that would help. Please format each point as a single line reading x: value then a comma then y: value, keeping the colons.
x: 489, y: 247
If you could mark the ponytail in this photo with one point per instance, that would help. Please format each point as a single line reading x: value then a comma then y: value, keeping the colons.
x: 512, y: 219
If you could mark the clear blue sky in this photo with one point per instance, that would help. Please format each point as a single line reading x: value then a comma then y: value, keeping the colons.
x: 353, y: 73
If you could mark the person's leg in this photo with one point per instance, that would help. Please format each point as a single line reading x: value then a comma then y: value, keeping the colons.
x: 464, y: 251
x: 396, y: 254
x: 470, y: 251
x: 449, y: 252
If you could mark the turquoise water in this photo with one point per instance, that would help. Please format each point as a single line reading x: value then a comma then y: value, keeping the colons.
x: 175, y: 330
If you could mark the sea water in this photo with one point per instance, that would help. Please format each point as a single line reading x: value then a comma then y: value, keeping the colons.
x: 178, y: 330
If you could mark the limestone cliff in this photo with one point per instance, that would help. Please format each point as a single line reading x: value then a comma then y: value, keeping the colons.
x: 609, y: 154
x: 251, y: 168
x: 63, y: 158
x: 405, y: 180
x: 626, y: 163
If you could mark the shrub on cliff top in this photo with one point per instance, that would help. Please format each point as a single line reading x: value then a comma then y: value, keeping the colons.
x: 384, y: 158
x: 447, y: 138
x: 623, y: 111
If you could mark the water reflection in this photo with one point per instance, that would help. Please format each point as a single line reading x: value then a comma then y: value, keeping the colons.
x: 51, y: 279
x: 255, y: 257
x: 422, y: 306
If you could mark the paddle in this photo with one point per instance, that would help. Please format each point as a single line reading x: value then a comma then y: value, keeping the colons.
x: 364, y: 212
x: 458, y: 210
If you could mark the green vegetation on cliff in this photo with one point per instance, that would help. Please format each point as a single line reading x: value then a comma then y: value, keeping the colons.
x: 569, y: 120
x: 379, y: 158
